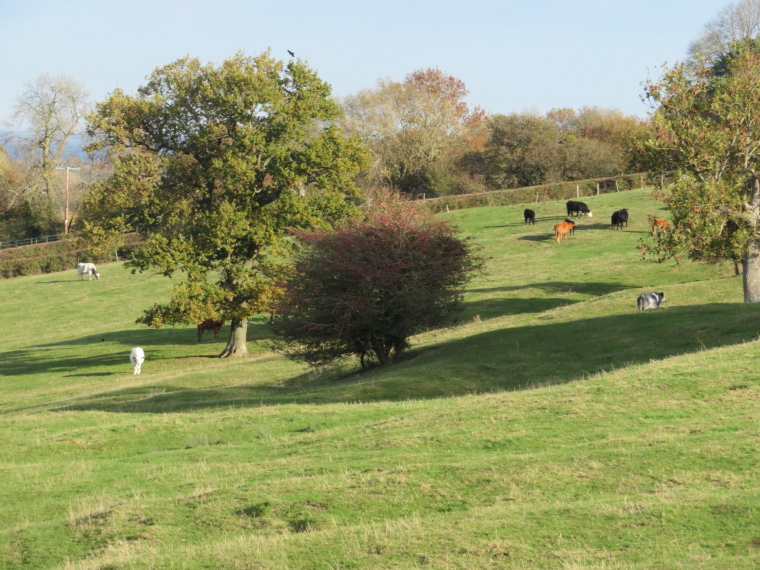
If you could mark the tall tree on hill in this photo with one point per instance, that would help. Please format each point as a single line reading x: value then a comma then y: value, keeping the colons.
x: 707, y: 123
x: 45, y: 118
x: 737, y: 21
x: 210, y: 165
x: 414, y: 128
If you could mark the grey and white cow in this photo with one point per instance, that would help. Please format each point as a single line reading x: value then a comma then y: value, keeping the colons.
x: 649, y: 300
x: 87, y: 269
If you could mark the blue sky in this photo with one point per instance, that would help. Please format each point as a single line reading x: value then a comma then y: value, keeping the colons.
x: 513, y: 56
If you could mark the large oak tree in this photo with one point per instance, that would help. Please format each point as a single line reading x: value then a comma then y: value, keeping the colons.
x: 212, y: 164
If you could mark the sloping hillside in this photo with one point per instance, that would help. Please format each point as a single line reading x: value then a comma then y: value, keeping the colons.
x: 552, y: 425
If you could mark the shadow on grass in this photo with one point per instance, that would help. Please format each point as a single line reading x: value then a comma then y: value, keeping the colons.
x: 517, y: 358
x: 596, y: 289
x: 23, y: 362
x: 257, y: 330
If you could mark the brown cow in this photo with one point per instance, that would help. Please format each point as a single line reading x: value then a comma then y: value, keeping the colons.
x: 209, y: 325
x: 561, y: 230
x: 659, y: 224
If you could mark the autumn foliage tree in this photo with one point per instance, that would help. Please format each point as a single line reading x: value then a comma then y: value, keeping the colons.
x: 707, y: 121
x: 211, y: 164
x: 415, y: 129
x: 366, y: 288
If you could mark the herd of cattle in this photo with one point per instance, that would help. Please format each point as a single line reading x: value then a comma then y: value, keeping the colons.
x: 561, y: 230
x: 578, y: 209
x: 618, y: 221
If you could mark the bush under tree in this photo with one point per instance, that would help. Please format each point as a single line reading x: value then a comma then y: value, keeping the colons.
x: 366, y: 288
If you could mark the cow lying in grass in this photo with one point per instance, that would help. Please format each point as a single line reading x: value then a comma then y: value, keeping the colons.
x: 209, y: 325
x: 137, y: 357
x: 87, y: 269
x: 561, y: 230
x: 649, y: 300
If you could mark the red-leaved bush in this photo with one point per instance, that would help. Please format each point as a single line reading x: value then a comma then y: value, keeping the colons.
x: 365, y: 288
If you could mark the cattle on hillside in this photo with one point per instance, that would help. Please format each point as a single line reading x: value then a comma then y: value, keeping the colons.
x: 87, y: 269
x: 561, y: 230
x: 650, y: 300
x: 659, y: 224
x: 619, y: 218
x: 137, y: 357
x: 578, y: 208
x: 209, y: 325
x: 530, y: 216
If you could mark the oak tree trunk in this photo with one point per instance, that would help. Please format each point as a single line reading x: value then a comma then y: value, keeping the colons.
x: 236, y: 345
x: 751, y: 261
x: 751, y: 274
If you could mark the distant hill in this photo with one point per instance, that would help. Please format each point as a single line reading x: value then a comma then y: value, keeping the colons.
x: 73, y: 146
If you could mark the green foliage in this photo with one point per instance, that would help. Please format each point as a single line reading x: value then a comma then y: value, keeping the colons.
x: 365, y: 288
x: 210, y: 164
x: 708, y: 124
x: 526, y: 149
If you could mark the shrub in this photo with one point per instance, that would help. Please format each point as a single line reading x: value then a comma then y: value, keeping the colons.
x: 364, y: 289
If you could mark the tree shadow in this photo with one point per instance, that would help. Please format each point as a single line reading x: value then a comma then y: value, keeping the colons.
x: 537, y: 237
x: 491, y: 308
x: 595, y: 289
x: 505, y: 359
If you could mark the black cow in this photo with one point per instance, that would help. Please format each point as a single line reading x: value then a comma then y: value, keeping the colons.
x: 578, y: 208
x: 619, y: 218
x: 530, y: 216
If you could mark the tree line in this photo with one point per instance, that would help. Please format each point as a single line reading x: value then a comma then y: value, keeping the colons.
x: 422, y: 138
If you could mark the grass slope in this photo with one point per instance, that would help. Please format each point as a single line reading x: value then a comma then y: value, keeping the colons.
x: 552, y: 426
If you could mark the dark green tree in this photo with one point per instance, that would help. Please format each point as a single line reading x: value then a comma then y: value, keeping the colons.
x: 522, y: 150
x: 212, y: 164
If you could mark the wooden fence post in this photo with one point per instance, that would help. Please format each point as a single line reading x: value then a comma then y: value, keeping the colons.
x: 597, y: 188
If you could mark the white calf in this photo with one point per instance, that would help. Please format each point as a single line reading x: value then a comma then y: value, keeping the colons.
x: 137, y: 358
x: 87, y: 269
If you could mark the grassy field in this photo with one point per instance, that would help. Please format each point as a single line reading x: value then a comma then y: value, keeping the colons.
x: 552, y: 425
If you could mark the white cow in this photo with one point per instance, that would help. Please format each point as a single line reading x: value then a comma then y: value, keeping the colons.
x: 87, y: 269
x: 137, y: 357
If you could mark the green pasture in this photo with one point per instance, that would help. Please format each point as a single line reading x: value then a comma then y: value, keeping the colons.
x: 551, y: 425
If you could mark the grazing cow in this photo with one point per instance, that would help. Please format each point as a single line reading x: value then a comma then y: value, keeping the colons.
x: 619, y: 218
x: 649, y: 301
x: 578, y: 208
x: 530, y: 216
x: 209, y: 325
x: 87, y: 269
x: 561, y: 229
x: 137, y: 357
x: 659, y: 224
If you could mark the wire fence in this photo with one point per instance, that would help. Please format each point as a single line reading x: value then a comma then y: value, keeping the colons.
x: 31, y: 241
